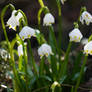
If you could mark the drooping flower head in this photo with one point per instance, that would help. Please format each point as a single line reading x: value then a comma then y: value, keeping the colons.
x: 45, y: 50
x: 88, y: 48
x: 48, y: 19
x: 75, y: 35
x: 62, y: 1
x: 20, y: 50
x: 27, y: 32
x: 86, y: 18
x: 13, y: 21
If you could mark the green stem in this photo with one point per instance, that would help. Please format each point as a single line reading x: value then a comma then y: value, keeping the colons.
x: 25, y: 65
x: 52, y: 40
x: 81, y: 72
x: 64, y: 64
x: 25, y: 18
x: 42, y: 66
x: 32, y: 58
x: 72, y: 89
x: 41, y: 3
x: 60, y: 23
x: 20, y: 63
x: 12, y: 63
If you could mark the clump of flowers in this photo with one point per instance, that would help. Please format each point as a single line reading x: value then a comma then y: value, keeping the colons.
x: 13, y: 21
x: 75, y: 35
x: 86, y: 17
x: 48, y: 19
x: 26, y: 74
x: 45, y: 50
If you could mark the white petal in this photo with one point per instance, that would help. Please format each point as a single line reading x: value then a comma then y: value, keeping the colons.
x: 20, y: 50
x: 48, y: 19
x: 75, y: 35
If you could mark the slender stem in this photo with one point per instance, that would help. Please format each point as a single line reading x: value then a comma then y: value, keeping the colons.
x: 32, y: 58
x: 81, y: 72
x: 20, y: 63
x: 41, y: 3
x: 64, y: 64
x: 3, y: 25
x: 42, y: 66
x: 60, y: 23
x: 25, y: 65
x: 12, y: 63
x: 52, y: 40
x: 72, y: 88
x: 25, y: 18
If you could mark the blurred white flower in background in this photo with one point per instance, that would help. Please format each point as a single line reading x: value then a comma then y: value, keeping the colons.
x: 37, y: 31
x: 48, y: 19
x: 20, y: 50
x: 75, y: 35
x: 62, y: 1
x: 4, y: 54
x: 45, y: 50
x: 86, y: 17
x: 88, y: 48
x: 4, y: 86
x: 84, y: 41
x: 13, y: 21
x: 27, y: 32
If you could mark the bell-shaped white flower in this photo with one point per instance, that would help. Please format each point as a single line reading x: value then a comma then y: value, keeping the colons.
x: 45, y: 50
x: 62, y: 1
x: 27, y: 32
x: 75, y: 35
x: 13, y: 21
x: 48, y: 19
x: 86, y: 17
x: 20, y: 50
x: 88, y: 48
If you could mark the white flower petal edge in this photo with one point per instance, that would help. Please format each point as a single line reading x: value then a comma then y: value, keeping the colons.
x: 20, y: 50
x: 86, y: 17
x: 62, y: 1
x: 48, y: 19
x: 88, y: 48
x: 13, y: 21
x: 27, y: 32
x: 75, y: 35
x: 45, y: 50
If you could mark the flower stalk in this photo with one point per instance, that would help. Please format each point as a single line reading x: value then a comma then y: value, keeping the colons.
x: 81, y: 73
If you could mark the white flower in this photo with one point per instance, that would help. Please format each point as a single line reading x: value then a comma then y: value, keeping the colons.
x: 45, y: 50
x: 3, y: 86
x: 13, y: 21
x: 86, y: 17
x: 20, y: 50
x: 48, y: 19
x: 4, y: 54
x: 88, y: 48
x: 27, y: 32
x: 75, y: 35
x: 37, y: 31
x: 62, y: 1
x: 84, y: 41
